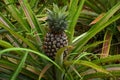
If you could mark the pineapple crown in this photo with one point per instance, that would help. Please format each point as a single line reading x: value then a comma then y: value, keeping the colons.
x: 57, y: 19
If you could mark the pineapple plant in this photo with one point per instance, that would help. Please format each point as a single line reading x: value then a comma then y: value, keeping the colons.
x: 56, y: 37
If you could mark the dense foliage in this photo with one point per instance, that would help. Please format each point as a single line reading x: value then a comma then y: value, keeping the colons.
x: 93, y: 40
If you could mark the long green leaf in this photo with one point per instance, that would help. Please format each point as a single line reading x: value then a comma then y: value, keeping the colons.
x: 18, y: 35
x: 74, y: 17
x: 5, y: 44
x: 32, y: 20
x: 111, y: 59
x: 92, y: 45
x: 107, y: 59
x: 10, y: 66
x: 29, y: 50
x: 78, y: 38
x: 102, y: 75
x: 59, y: 60
x: 20, y: 66
x: 72, y: 8
x: 17, y: 15
x: 104, y: 22
x: 89, y: 64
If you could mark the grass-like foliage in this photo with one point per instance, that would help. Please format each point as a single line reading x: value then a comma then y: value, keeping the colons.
x: 22, y: 30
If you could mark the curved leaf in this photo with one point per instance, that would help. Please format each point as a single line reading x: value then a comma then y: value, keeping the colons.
x: 29, y: 50
x: 89, y: 64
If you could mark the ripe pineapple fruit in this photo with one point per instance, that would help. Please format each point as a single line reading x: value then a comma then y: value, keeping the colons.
x: 56, y: 37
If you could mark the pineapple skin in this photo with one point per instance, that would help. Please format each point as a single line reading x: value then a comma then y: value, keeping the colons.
x: 53, y: 42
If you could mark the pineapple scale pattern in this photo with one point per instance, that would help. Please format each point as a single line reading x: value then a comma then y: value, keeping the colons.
x: 53, y: 42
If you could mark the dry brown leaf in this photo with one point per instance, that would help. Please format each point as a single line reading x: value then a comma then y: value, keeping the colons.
x: 97, y: 19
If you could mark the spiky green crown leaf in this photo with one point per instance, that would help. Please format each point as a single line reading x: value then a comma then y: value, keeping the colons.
x: 57, y: 19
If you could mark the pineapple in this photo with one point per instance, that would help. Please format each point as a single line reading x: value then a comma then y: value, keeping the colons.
x: 56, y: 37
